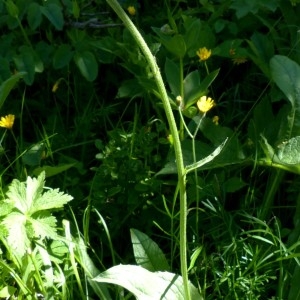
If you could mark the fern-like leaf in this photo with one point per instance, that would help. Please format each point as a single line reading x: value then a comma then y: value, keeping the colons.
x: 28, y: 211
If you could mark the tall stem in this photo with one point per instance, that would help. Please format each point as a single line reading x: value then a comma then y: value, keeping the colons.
x: 174, y: 131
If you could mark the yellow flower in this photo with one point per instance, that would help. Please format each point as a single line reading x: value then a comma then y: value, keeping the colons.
x: 131, y: 10
x: 205, y: 104
x: 7, y: 121
x: 215, y: 120
x: 203, y: 53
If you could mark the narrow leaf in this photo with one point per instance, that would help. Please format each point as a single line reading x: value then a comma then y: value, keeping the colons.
x: 207, y: 159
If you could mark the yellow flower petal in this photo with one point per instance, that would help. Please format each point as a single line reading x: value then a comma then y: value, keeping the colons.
x: 131, y: 10
x: 203, y: 53
x: 205, y: 104
x: 7, y: 121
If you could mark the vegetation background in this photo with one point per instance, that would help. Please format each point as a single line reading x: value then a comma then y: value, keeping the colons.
x: 91, y: 204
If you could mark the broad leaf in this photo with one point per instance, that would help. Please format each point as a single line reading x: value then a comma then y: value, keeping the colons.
x: 17, y: 239
x: 146, y: 285
x: 147, y: 253
x: 62, y: 56
x: 34, y: 15
x: 30, y: 217
x: 54, y: 14
x: 194, y: 88
x: 87, y: 64
x: 286, y: 74
x: 289, y: 152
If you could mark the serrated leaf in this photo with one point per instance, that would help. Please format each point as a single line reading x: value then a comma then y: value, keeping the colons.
x: 147, y: 254
x: 289, y: 152
x: 146, y: 285
x: 17, y: 237
x: 16, y: 195
x: 30, y: 217
x: 34, y: 188
x: 44, y: 226
x: 52, y: 199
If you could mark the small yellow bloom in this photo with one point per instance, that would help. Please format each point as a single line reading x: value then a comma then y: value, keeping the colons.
x: 7, y: 121
x: 215, y: 120
x: 131, y: 10
x: 203, y: 53
x: 205, y: 104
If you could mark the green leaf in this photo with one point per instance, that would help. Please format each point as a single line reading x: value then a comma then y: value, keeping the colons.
x: 289, y: 152
x: 31, y: 216
x: 286, y: 74
x: 175, y: 44
x: 43, y: 226
x: 28, y: 61
x: 16, y: 238
x: 146, y: 285
x: 52, y: 170
x: 12, y: 9
x: 8, y: 85
x: 192, y: 35
x: 207, y: 159
x: 194, y: 89
x: 91, y: 271
x: 87, y: 65
x: 52, y: 199
x: 173, y: 76
x: 294, y: 292
x: 147, y: 253
x: 234, y: 184
x: 7, y: 292
x: 54, y: 14
x: 62, y: 56
x: 33, y: 156
x: 34, y: 15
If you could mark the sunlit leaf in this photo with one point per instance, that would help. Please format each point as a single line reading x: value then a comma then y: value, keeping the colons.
x: 147, y: 253
x: 146, y: 285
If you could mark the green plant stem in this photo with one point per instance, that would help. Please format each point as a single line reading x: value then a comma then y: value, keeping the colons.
x: 173, y: 128
x: 196, y: 170
x: 181, y: 127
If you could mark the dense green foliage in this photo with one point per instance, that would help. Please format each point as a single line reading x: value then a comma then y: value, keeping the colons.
x: 90, y: 120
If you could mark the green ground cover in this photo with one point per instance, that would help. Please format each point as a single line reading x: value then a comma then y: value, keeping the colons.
x: 150, y: 149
